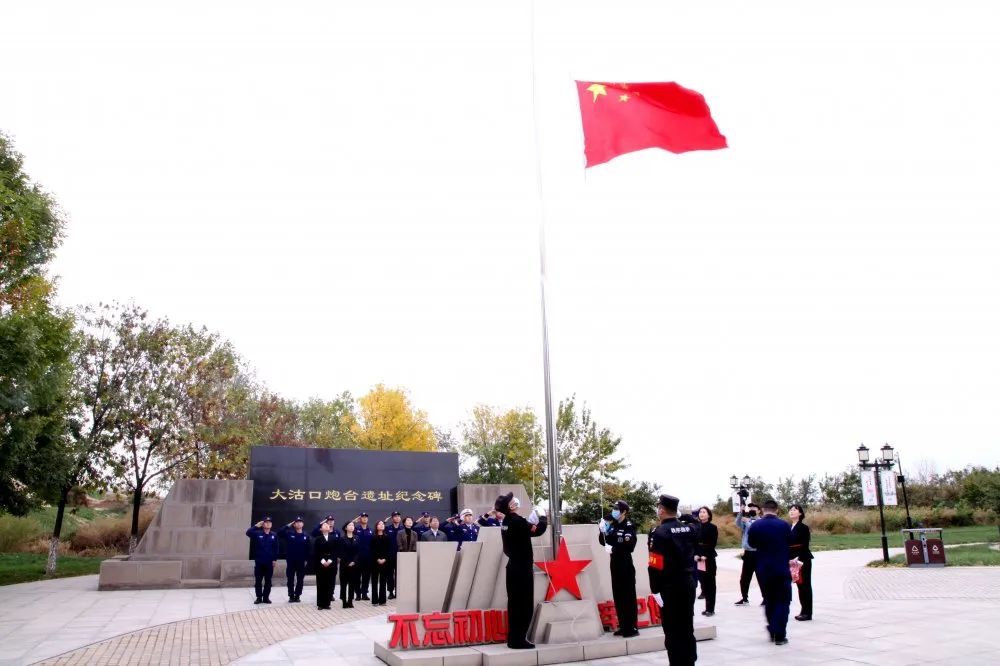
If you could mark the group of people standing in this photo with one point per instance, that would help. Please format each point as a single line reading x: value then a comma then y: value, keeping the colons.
x: 364, y: 555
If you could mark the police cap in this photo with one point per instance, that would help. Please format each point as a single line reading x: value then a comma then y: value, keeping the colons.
x: 503, y: 503
x: 364, y: 515
x: 395, y: 513
x: 298, y: 519
x: 669, y: 502
x: 330, y: 518
x: 265, y: 519
x: 621, y: 505
x: 425, y: 514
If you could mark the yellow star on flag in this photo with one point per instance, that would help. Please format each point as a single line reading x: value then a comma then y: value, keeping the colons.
x: 597, y: 89
x: 624, y: 98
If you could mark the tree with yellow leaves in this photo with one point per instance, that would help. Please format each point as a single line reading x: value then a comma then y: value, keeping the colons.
x: 386, y: 421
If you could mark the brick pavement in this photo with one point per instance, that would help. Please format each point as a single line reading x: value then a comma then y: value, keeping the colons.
x: 215, y: 639
x: 981, y: 583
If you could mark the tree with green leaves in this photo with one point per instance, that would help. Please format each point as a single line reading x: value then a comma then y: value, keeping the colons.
x: 641, y: 498
x: 588, y: 452
x: 503, y: 447
x: 842, y: 489
x: 325, y: 423
x: 36, y: 340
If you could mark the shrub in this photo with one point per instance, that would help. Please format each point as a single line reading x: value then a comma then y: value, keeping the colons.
x: 109, y: 534
x: 16, y: 532
x: 836, y: 524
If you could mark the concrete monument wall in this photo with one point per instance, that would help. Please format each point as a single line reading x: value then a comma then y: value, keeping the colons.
x: 479, y: 497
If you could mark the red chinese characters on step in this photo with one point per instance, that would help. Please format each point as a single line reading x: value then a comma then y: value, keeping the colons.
x: 480, y: 627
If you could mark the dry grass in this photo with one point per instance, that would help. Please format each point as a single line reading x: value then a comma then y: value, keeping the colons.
x: 109, y: 535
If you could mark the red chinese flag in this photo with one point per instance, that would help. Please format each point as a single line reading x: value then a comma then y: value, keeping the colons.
x: 620, y: 118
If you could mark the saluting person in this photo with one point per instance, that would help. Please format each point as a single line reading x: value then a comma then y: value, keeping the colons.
x: 392, y: 528
x: 423, y: 524
x: 671, y: 580
x: 334, y: 532
x: 467, y: 530
x: 516, y: 533
x: 296, y: 557
x: 489, y: 519
x: 325, y: 550
x: 619, y: 533
x: 265, y: 554
x: 364, y: 534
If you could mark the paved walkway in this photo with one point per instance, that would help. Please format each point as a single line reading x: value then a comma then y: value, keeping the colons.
x: 863, y: 616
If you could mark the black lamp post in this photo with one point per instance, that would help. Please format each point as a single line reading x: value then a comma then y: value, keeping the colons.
x: 742, y: 486
x: 906, y: 502
x: 885, y: 463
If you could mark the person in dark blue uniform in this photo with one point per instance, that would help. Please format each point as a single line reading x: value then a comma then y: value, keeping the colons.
x: 364, y: 535
x: 800, y: 551
x: 671, y: 562
x: 326, y: 549
x: 449, y: 527
x: 423, y: 523
x: 265, y: 554
x: 349, y: 548
x: 467, y: 530
x: 489, y: 520
x: 296, y: 557
x: 392, y: 529
x: 334, y: 532
x: 619, y: 533
x: 772, y: 538
x: 516, y: 533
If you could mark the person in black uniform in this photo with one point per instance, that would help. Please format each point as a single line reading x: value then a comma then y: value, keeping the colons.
x: 516, y: 533
x: 296, y: 556
x: 489, y: 520
x: 349, y: 553
x: 671, y: 562
x: 325, y: 549
x: 619, y: 533
x: 334, y: 532
x: 381, y: 552
x: 265, y: 554
x: 772, y: 538
x: 704, y: 555
x: 800, y: 551
x: 392, y: 529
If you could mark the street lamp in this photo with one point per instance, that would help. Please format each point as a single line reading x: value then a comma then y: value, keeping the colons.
x: 886, y: 462
x: 741, y: 487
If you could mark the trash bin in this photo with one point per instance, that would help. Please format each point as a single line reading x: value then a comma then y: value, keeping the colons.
x: 924, y: 547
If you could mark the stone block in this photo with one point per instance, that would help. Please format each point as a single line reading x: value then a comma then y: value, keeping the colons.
x: 648, y: 640
x: 559, y: 654
x: 603, y: 649
x: 566, y: 622
x: 435, y: 563
x: 487, y: 568
x: 465, y: 571
x: 175, y: 515
x: 189, y: 541
x: 159, y: 574
x: 216, y: 492
x: 407, y: 657
x: 501, y: 655
x: 201, y: 515
x: 235, y: 569
x: 235, y: 543
x: 190, y: 491
x: 240, y: 492
x: 231, y: 516
x: 200, y: 567
x: 705, y: 632
x: 406, y: 583
x: 499, y: 597
x: 461, y: 657
x: 118, y: 574
x: 215, y: 542
x: 156, y: 541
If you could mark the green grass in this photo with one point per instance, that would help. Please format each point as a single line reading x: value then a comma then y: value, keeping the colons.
x: 25, y: 567
x: 980, y: 555
x: 952, y: 535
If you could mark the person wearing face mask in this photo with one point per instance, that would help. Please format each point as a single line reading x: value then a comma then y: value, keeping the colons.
x: 325, y: 548
x: 704, y: 555
x: 671, y: 562
x: 406, y: 538
x: 349, y: 553
x: 619, y: 534
x: 516, y: 533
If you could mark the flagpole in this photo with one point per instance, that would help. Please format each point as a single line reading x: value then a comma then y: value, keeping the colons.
x: 555, y: 503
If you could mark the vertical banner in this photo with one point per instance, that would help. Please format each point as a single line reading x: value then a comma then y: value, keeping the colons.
x: 868, y: 490
x: 889, y: 487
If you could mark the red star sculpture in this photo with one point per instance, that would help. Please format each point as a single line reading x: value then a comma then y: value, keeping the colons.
x: 562, y: 572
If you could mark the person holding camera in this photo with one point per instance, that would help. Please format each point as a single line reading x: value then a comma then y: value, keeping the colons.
x: 619, y: 535
x: 744, y: 521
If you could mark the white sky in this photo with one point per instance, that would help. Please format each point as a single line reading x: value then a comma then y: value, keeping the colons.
x: 348, y: 193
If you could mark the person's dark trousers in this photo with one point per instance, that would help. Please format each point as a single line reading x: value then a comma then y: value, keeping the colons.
x: 348, y: 583
x: 296, y: 573
x: 390, y: 581
x: 262, y: 579
x: 746, y: 574
x: 708, y: 583
x: 678, y: 625
x: 380, y: 578
x: 777, y: 598
x: 520, y: 603
x: 623, y: 592
x: 364, y: 575
x: 806, y: 588
x: 325, y: 579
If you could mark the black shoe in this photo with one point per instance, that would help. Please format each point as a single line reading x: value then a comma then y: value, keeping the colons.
x: 781, y: 641
x: 630, y: 634
x: 803, y: 618
x: 523, y: 645
x: 364, y: 597
x: 742, y: 602
x: 267, y: 601
x: 762, y: 603
x: 708, y: 613
x: 617, y: 633
x: 392, y: 595
x: 259, y: 601
x: 345, y: 604
x: 701, y: 596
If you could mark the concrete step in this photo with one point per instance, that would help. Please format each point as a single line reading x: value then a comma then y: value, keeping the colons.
x: 198, y: 583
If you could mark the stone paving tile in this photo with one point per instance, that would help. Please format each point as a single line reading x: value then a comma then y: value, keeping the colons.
x: 943, y: 583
